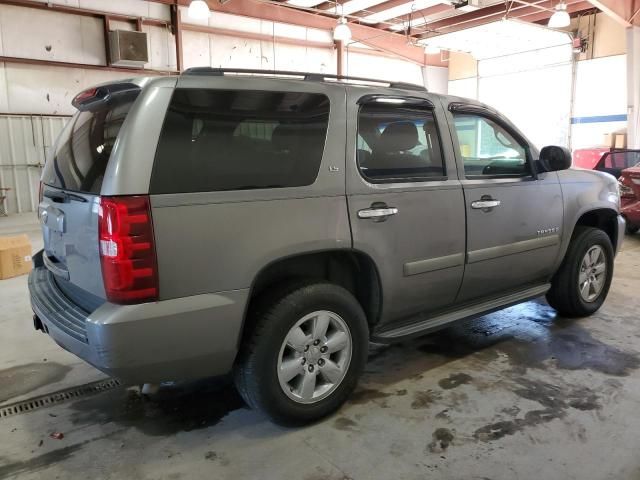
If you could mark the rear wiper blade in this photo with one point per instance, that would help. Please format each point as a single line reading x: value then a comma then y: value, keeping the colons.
x: 63, y: 197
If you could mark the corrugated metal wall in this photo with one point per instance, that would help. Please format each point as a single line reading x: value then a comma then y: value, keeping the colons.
x: 25, y: 142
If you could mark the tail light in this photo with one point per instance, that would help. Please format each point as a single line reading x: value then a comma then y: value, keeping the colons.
x: 625, y: 190
x: 127, y: 250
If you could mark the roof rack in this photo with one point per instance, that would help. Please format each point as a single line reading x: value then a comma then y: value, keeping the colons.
x: 306, y: 76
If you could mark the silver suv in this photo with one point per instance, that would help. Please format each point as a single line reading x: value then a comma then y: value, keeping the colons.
x: 272, y: 224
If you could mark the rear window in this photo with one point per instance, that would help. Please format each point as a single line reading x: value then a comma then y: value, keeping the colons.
x: 85, y: 145
x: 215, y: 140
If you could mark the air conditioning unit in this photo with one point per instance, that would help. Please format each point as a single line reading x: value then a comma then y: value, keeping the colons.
x: 128, y: 49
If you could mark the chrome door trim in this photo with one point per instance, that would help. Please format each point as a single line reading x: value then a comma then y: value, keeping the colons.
x: 433, y: 264
x: 482, y: 204
x: 377, y: 212
x: 512, y: 248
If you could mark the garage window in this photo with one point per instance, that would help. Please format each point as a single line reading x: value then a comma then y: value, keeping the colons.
x: 215, y: 140
x: 398, y: 143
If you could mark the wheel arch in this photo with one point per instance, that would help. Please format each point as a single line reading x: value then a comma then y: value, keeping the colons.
x: 604, y: 219
x: 352, y: 269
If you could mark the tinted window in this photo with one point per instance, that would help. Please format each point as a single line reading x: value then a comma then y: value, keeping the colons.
x: 487, y: 148
x: 215, y: 140
x: 85, y: 145
x: 398, y: 143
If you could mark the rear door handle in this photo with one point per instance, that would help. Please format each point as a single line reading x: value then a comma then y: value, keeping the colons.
x: 381, y: 213
x: 484, y: 204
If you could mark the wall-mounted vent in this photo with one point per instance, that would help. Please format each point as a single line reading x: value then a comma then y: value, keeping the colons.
x: 128, y: 49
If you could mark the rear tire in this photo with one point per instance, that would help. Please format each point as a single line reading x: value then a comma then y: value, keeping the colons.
x: 582, y: 282
x: 287, y: 330
x: 631, y: 229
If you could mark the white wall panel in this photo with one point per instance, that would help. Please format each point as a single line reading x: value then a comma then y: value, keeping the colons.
x: 162, y: 48
x: 51, y: 35
x: 466, y: 87
x: 437, y: 79
x: 234, y: 52
x: 48, y: 90
x: 383, y: 68
x: 24, y: 143
x: 195, y: 49
x: 4, y: 99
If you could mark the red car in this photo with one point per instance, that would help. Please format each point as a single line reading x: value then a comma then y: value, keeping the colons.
x: 629, y: 182
x: 610, y: 160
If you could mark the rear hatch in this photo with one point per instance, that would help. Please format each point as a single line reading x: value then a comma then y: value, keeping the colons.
x: 72, y: 179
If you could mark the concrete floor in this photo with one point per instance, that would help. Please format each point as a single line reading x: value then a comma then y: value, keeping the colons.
x: 518, y: 394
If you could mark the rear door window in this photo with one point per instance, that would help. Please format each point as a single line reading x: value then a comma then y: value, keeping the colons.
x: 398, y: 143
x: 84, y: 147
x: 216, y: 140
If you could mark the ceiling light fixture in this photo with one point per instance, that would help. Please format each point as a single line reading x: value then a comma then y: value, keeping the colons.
x: 342, y: 32
x: 560, y: 17
x: 198, y: 10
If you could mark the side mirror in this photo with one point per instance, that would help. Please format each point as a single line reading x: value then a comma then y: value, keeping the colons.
x: 554, y: 158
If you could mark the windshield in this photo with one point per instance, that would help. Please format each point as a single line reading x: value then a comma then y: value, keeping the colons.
x: 84, y: 147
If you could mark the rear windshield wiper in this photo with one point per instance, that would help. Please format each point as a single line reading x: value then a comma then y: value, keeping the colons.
x: 63, y: 197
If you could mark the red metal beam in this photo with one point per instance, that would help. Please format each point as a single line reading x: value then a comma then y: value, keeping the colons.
x: 265, y: 37
x: 581, y: 6
x: 389, y: 42
x: 176, y: 23
x: 88, y: 66
x: 621, y: 11
x: 83, y: 12
x: 419, y: 14
x: 486, y: 15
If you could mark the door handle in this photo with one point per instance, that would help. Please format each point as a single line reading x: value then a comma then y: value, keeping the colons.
x: 377, y: 213
x: 485, y: 204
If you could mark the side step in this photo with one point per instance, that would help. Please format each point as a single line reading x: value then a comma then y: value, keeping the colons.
x: 425, y: 325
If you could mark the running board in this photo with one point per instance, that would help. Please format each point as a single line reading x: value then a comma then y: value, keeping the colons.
x: 421, y: 327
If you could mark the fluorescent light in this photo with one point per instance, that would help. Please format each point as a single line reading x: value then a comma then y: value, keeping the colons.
x: 198, y: 10
x: 342, y: 32
x: 404, y: 9
x: 560, y: 17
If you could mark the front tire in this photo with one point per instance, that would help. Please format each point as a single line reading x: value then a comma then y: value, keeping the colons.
x: 306, y: 351
x: 581, y: 285
x: 631, y: 229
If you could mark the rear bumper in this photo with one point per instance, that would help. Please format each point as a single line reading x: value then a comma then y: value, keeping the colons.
x: 178, y: 339
x: 631, y: 211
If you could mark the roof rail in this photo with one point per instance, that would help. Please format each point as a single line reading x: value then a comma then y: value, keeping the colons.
x: 307, y: 76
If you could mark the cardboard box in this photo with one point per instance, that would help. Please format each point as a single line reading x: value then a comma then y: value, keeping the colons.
x: 15, y: 256
x: 621, y: 140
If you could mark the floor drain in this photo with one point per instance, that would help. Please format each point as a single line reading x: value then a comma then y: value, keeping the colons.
x: 44, y: 401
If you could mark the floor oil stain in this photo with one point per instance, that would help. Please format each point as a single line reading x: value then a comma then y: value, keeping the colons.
x: 345, y: 424
x: 366, y: 395
x: 556, y: 401
x: 441, y: 439
x: 454, y: 380
x: 184, y: 408
x: 24, y: 379
x: 529, y: 334
x: 424, y: 399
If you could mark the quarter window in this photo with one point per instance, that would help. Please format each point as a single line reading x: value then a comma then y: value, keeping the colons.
x: 398, y: 143
x: 214, y: 140
x: 489, y: 149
